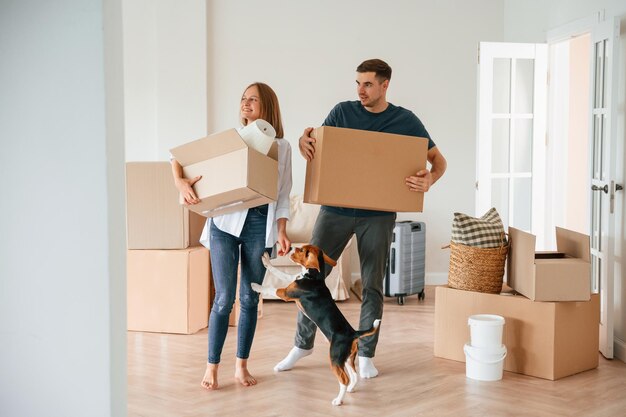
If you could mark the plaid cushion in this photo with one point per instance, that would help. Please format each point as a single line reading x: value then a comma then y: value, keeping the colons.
x: 486, y: 232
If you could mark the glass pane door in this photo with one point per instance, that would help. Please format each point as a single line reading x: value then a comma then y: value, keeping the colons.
x: 511, y: 128
x: 597, y: 174
x: 603, y: 162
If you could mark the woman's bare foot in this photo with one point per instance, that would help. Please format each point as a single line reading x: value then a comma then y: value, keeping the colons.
x: 242, y: 374
x: 209, y: 381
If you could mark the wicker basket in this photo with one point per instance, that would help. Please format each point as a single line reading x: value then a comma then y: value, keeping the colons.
x: 477, y: 269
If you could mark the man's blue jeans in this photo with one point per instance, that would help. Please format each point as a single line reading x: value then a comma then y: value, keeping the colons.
x: 224, y: 261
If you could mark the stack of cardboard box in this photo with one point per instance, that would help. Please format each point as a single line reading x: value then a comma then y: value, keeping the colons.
x: 168, y: 272
x: 551, y: 318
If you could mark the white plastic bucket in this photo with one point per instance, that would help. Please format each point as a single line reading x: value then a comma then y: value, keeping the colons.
x: 486, y: 330
x: 484, y: 364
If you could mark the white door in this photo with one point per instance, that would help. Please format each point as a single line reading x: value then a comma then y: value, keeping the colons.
x: 604, y: 161
x: 511, y: 133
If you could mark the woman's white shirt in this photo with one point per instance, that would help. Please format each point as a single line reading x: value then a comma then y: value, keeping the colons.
x: 232, y: 223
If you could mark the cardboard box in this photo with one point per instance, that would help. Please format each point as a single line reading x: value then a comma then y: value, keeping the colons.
x: 564, y: 275
x: 548, y: 340
x: 154, y: 218
x: 363, y: 169
x: 168, y: 290
x: 234, y: 176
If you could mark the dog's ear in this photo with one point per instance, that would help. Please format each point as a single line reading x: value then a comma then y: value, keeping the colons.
x: 329, y: 261
x: 311, y: 261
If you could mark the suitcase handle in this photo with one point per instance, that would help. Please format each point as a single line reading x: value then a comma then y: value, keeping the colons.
x: 393, y: 260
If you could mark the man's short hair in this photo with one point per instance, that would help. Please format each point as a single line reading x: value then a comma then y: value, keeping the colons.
x: 380, y: 67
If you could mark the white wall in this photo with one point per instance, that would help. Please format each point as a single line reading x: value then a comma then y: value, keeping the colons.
x: 530, y: 21
x: 308, y: 52
x: 165, y: 70
x: 62, y: 297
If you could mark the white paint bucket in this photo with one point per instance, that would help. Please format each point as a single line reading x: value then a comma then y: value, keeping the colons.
x: 486, y: 330
x: 484, y: 364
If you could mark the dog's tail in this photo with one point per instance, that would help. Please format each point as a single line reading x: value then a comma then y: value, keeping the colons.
x: 370, y: 331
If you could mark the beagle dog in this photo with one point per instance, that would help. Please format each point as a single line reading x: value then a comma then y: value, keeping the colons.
x: 314, y: 299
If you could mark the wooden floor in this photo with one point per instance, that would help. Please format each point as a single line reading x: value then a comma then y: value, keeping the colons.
x: 164, y: 374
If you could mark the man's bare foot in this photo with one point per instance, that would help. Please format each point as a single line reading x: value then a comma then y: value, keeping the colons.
x: 209, y: 381
x: 242, y: 374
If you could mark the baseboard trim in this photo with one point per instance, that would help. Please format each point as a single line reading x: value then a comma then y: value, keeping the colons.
x: 431, y: 278
x: 619, y: 349
x: 436, y: 278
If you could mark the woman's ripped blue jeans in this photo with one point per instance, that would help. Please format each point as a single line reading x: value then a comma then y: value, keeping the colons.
x: 225, y: 253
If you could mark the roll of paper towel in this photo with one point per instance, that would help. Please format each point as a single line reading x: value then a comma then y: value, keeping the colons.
x: 258, y: 135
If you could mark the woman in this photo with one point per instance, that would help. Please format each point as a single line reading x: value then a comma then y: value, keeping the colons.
x: 255, y: 230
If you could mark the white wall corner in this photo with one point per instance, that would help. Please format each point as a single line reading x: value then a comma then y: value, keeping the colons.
x: 619, y: 349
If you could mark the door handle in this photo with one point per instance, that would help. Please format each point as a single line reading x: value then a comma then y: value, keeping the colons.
x: 597, y: 188
x: 614, y: 188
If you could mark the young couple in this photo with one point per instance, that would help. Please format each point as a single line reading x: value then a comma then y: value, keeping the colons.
x: 256, y: 230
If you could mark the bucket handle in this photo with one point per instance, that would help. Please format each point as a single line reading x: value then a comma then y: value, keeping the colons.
x: 482, y: 361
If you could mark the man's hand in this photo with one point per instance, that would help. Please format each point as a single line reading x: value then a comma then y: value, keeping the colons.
x: 420, y: 182
x: 306, y: 144
x: 184, y: 185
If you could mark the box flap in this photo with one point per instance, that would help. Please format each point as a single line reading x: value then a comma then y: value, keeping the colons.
x: 521, y: 263
x: 209, y: 147
x: 573, y: 243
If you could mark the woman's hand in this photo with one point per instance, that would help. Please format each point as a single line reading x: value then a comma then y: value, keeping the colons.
x: 284, y: 244
x: 185, y: 185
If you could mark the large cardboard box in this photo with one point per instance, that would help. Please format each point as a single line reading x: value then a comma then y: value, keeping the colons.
x: 548, y: 340
x: 363, y: 169
x: 168, y: 290
x: 564, y: 275
x: 154, y: 218
x: 234, y: 175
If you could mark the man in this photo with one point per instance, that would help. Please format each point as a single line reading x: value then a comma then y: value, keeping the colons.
x: 373, y: 229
